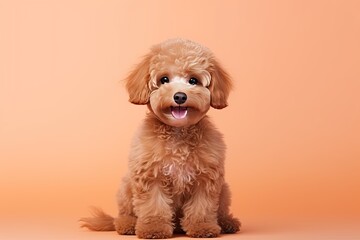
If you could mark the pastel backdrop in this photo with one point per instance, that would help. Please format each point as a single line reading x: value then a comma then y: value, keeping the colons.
x: 292, y: 127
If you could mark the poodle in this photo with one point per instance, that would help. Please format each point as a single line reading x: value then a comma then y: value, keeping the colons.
x: 175, y: 182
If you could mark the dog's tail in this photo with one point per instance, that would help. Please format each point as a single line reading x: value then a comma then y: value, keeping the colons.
x: 99, y: 221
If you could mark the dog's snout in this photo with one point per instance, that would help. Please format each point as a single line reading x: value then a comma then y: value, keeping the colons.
x: 180, y: 97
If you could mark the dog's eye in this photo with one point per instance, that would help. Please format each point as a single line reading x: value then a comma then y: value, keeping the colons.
x: 164, y: 80
x: 193, y: 81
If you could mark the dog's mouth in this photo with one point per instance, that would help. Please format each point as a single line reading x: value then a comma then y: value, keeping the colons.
x: 179, y: 112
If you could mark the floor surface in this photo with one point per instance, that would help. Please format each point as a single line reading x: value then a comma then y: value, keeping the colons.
x: 69, y: 229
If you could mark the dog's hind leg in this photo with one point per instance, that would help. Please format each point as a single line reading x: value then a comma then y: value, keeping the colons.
x: 227, y: 222
x: 126, y: 220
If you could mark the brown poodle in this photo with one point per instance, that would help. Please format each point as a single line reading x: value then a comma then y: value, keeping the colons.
x: 175, y: 181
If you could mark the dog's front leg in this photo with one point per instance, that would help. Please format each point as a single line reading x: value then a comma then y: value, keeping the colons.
x: 200, y: 212
x: 153, y: 209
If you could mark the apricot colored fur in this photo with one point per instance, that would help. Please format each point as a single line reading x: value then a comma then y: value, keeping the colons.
x: 175, y: 181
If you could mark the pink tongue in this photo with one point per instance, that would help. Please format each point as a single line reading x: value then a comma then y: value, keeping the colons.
x: 179, y: 112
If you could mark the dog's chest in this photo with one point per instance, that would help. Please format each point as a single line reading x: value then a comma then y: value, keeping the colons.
x: 179, y: 167
x: 180, y: 173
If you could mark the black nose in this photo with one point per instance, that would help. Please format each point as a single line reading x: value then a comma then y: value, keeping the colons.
x: 180, y: 97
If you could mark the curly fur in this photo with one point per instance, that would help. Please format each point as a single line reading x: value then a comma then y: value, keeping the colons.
x: 175, y: 181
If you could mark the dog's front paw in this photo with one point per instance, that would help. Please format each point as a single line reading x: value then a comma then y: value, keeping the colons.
x: 204, y: 230
x: 154, y: 229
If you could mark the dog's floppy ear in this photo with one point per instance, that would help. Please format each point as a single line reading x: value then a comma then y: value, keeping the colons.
x: 137, y: 82
x: 220, y: 86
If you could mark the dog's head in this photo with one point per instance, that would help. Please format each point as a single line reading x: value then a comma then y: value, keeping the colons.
x: 179, y: 80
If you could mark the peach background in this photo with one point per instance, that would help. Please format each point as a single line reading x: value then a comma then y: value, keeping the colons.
x: 292, y: 127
